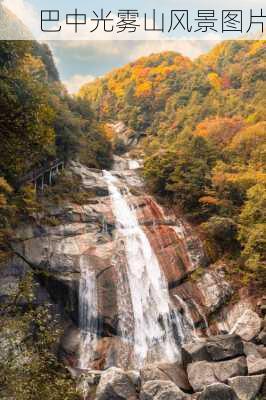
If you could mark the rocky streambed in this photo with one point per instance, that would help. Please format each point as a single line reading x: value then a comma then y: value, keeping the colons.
x: 222, y: 367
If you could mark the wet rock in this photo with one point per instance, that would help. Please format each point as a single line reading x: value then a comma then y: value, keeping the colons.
x: 203, y: 373
x: 215, y: 348
x: 248, y: 325
x: 246, y: 387
x: 256, y: 365
x: 218, y: 391
x: 195, y: 351
x: 93, y: 377
x: 135, y: 378
x: 161, y: 390
x: 115, y: 385
x: 166, y: 372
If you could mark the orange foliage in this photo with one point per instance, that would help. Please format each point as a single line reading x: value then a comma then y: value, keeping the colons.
x: 219, y: 130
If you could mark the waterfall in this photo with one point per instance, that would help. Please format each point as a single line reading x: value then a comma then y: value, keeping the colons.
x: 88, y: 314
x: 133, y: 164
x: 188, y: 317
x: 201, y: 313
x: 156, y: 326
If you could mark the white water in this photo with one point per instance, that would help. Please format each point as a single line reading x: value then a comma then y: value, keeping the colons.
x: 88, y: 313
x: 133, y: 164
x: 188, y: 317
x: 201, y: 313
x: 156, y: 325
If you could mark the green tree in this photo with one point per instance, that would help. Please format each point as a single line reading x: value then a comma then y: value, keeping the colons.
x: 252, y: 232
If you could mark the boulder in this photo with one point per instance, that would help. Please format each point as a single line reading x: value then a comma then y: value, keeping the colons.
x: 161, y: 390
x: 134, y: 376
x: 218, y: 391
x: 115, y: 384
x: 256, y: 365
x: 250, y: 349
x: 262, y: 351
x: 203, y: 373
x: 248, y: 325
x: 261, y: 338
x: 246, y: 387
x: 222, y: 347
x: 230, y: 368
x: 215, y: 348
x: 195, y: 351
x: 166, y: 372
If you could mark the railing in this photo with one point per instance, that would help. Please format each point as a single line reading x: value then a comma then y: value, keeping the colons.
x: 42, y: 177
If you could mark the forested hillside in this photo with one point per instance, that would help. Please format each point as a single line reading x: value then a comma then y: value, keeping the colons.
x: 205, y: 129
x: 39, y: 122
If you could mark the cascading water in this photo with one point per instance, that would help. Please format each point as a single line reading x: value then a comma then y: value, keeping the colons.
x: 188, y: 317
x: 157, y: 327
x: 201, y: 313
x: 88, y: 314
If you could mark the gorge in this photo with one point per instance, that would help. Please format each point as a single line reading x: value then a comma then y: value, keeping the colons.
x: 137, y: 271
x: 129, y: 276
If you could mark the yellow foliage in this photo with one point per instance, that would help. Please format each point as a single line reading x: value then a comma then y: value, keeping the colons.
x: 108, y: 131
x: 249, y: 137
x: 4, y: 186
x: 144, y: 89
x: 215, y: 80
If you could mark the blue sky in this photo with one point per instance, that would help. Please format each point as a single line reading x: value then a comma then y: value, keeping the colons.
x: 79, y: 61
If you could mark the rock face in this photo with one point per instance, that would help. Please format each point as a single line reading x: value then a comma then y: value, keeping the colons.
x: 246, y: 387
x: 203, y: 373
x: 161, y: 390
x: 86, y: 235
x: 248, y: 325
x: 218, y: 391
x: 215, y: 290
x: 115, y: 384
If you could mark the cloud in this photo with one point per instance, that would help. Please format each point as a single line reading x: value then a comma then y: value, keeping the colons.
x: 189, y: 48
x: 76, y: 81
x: 25, y: 11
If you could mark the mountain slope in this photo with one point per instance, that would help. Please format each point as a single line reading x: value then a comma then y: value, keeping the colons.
x: 11, y: 27
x: 205, y: 142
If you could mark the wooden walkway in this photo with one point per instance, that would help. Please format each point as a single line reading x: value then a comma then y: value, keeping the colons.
x: 42, y: 177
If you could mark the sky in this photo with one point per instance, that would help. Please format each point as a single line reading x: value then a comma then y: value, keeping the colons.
x: 80, y: 61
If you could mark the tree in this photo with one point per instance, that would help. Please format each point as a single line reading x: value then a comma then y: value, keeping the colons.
x: 252, y: 232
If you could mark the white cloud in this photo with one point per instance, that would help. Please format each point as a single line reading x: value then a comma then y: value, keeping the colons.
x: 190, y: 48
x: 76, y: 81
x: 25, y: 12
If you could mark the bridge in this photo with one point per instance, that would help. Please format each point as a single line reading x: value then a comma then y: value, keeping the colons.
x: 44, y: 176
